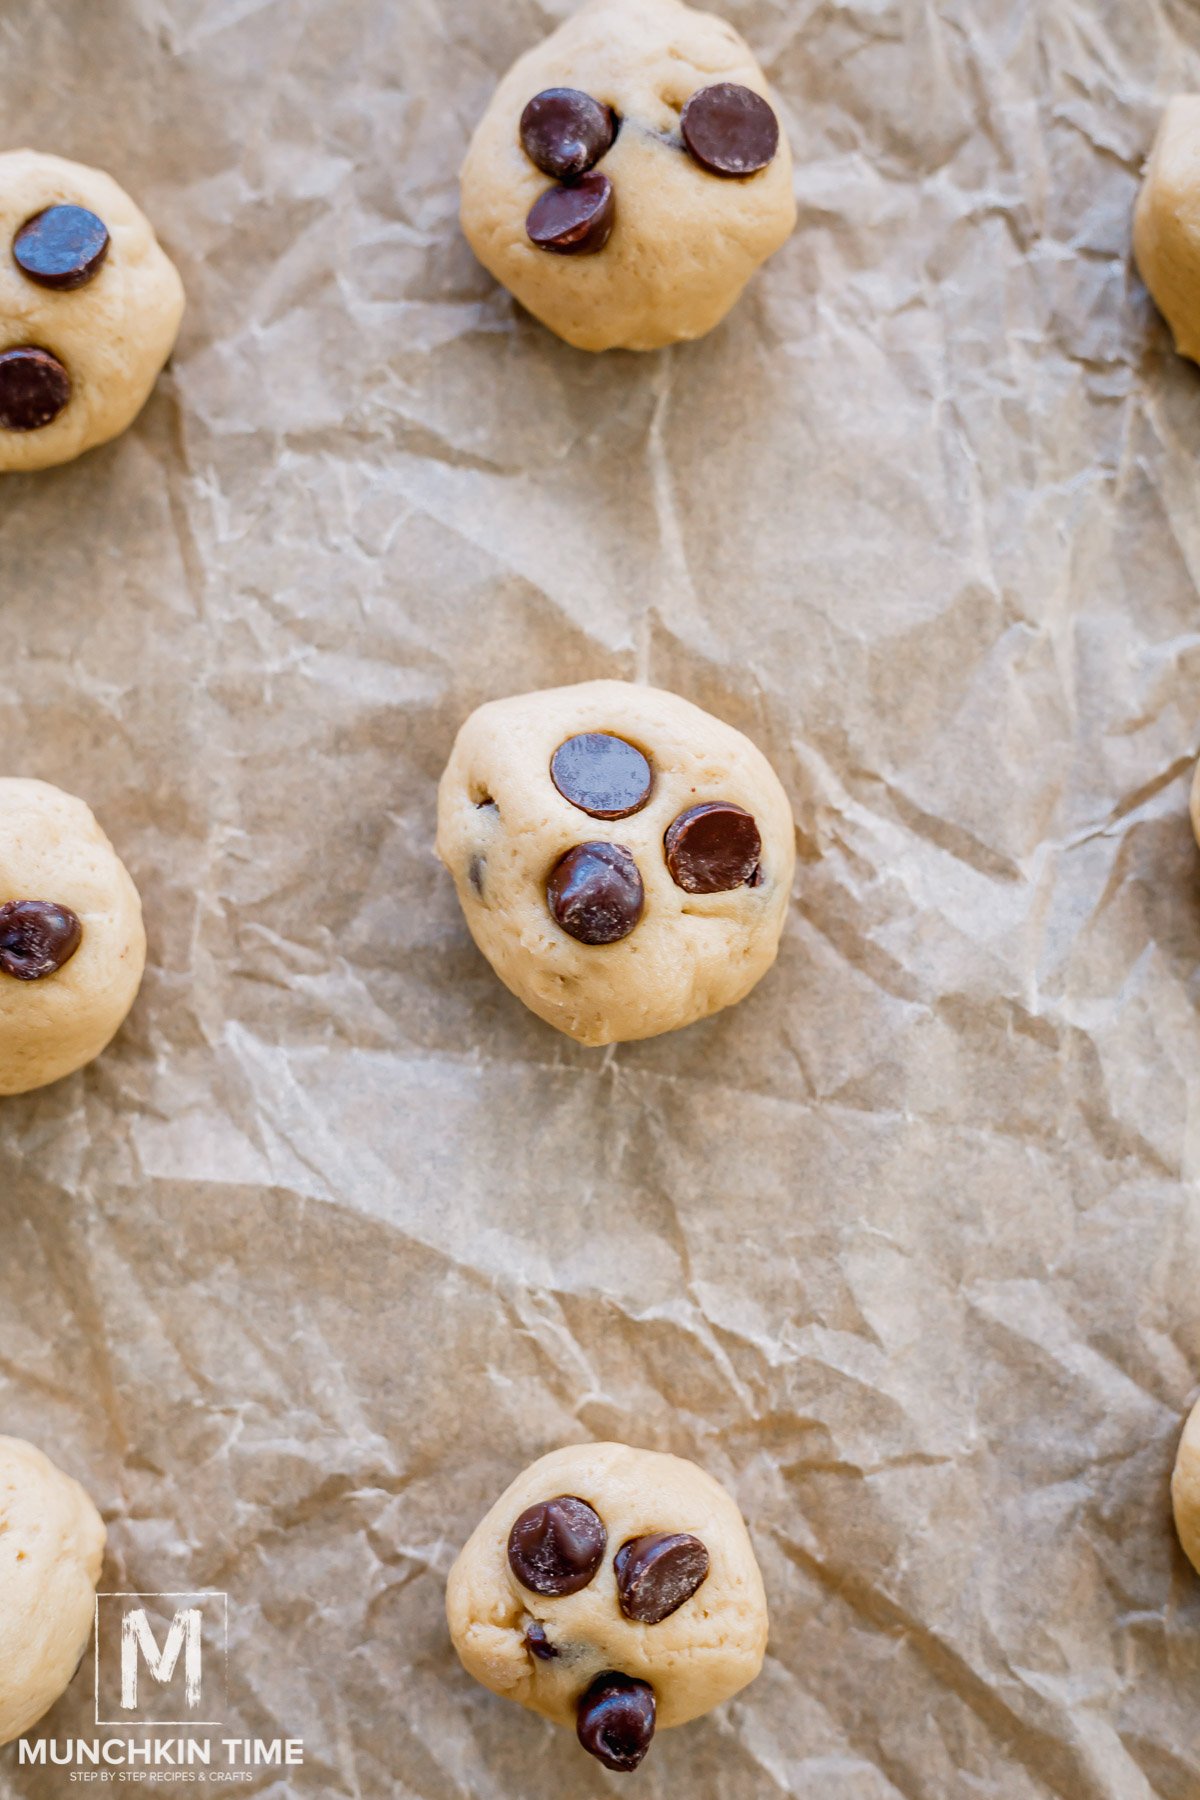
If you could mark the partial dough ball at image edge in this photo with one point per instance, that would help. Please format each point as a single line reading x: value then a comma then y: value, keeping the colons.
x: 610, y: 1580
x: 651, y: 235
x: 1166, y: 224
x: 90, y: 309
x: 51, y: 1551
x: 623, y: 859
x: 72, y: 942
x: 1185, y: 1488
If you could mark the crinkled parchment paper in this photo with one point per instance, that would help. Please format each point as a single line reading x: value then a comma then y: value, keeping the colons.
x: 905, y: 1248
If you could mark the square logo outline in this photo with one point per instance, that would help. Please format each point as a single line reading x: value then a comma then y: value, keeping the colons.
x: 191, y: 1594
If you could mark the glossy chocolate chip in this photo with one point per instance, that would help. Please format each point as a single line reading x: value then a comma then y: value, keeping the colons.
x: 37, y: 938
x: 713, y: 848
x: 556, y: 1546
x: 615, y: 1720
x: 538, y: 1644
x: 574, y: 221
x: 62, y: 247
x: 730, y: 130
x: 657, y: 1574
x: 601, y: 775
x: 34, y: 388
x: 566, y: 132
x: 596, y: 893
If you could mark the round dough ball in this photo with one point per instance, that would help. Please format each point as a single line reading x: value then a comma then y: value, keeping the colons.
x: 1185, y: 1489
x: 504, y: 828
x: 1166, y: 223
x: 695, y: 1658
x: 685, y: 241
x: 51, y: 1549
x: 53, y: 851
x: 112, y: 334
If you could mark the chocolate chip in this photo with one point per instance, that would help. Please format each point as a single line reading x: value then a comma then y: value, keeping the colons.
x: 476, y: 870
x: 574, y: 221
x: 730, y: 130
x: 62, y: 247
x: 556, y: 1546
x: 566, y: 132
x: 538, y: 1644
x: 596, y: 893
x: 34, y: 388
x: 615, y: 1720
x: 37, y: 938
x: 713, y: 848
x: 601, y: 775
x: 656, y: 1574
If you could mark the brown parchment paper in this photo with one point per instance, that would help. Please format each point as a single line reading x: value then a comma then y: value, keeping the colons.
x: 905, y: 1248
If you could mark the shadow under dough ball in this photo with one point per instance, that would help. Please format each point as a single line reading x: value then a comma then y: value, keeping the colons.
x: 90, y: 308
x: 630, y: 175
x: 624, y: 860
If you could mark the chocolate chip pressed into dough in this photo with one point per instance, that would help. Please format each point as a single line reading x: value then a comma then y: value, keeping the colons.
x: 564, y: 132
x: 34, y: 388
x: 37, y: 938
x: 61, y: 247
x: 556, y: 1546
x: 602, y: 774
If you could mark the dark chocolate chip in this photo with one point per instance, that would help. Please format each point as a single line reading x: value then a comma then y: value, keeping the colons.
x: 566, y: 132
x: 538, y: 1644
x: 730, y: 130
x: 476, y: 871
x: 656, y: 1574
x: 34, y: 388
x: 601, y: 775
x: 556, y: 1546
x: 574, y: 221
x: 62, y: 247
x: 596, y: 893
x: 713, y: 848
x: 615, y: 1720
x: 37, y: 938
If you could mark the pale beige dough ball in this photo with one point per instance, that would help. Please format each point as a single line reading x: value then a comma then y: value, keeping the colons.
x: 1185, y: 1489
x: 704, y: 1652
x: 1166, y: 224
x: 111, y: 335
x: 51, y: 1549
x: 53, y: 852
x: 504, y: 828
x: 685, y: 241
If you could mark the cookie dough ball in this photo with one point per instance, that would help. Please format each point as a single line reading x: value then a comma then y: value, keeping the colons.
x: 1166, y: 223
x: 614, y: 1591
x: 89, y: 309
x: 51, y: 1548
x: 1185, y: 1489
x: 629, y: 176
x: 72, y: 947
x: 624, y: 860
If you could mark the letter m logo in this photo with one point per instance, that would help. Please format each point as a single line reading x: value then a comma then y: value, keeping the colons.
x: 138, y: 1642
x: 160, y: 1658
